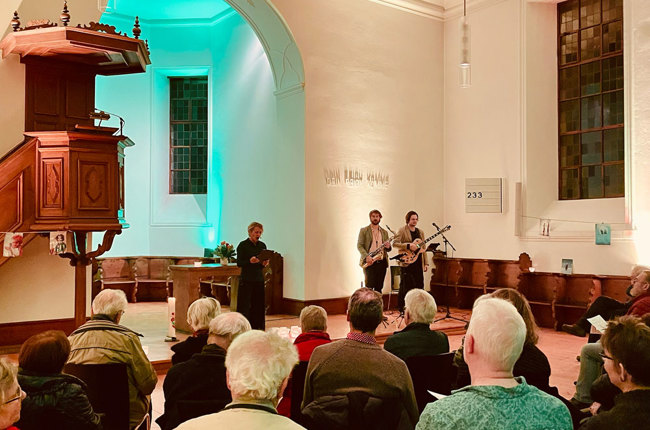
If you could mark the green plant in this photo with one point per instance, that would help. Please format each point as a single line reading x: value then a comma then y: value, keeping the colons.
x: 225, y: 250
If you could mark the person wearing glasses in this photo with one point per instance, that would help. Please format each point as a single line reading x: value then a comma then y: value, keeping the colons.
x: 591, y: 363
x: 626, y: 354
x: 11, y: 396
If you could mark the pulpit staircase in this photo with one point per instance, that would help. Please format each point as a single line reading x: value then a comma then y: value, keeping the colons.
x: 67, y: 174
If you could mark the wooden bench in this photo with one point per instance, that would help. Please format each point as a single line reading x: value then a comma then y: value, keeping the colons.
x: 117, y: 273
x: 142, y: 278
x: 554, y: 298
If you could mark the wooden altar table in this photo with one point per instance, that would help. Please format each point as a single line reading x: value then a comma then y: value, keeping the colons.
x: 186, y: 279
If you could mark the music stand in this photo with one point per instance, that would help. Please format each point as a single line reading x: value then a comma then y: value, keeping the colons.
x: 448, y: 314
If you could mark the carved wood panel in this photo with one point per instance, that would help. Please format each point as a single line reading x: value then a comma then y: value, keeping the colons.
x: 53, y: 183
x: 93, y: 187
x: 11, y: 202
x: 53, y: 177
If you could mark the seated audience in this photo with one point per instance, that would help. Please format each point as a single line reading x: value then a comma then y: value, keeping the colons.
x: 495, y: 400
x: 11, y: 396
x: 313, y: 323
x: 257, y: 370
x: 201, y: 380
x: 626, y: 351
x: 417, y: 338
x: 591, y: 362
x: 603, y: 392
x: 53, y: 397
x: 103, y: 340
x: 532, y: 364
x: 355, y: 379
x: 606, y: 307
x: 199, y: 315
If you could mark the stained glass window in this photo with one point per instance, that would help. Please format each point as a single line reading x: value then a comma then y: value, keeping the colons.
x: 590, y: 99
x: 188, y: 158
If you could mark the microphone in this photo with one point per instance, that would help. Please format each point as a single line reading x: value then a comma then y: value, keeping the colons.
x: 435, y: 225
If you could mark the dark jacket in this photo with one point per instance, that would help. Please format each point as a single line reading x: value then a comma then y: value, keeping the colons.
x: 57, y: 401
x: 355, y: 410
x: 631, y: 411
x: 183, y: 351
x: 415, y: 340
x: 251, y: 272
x: 196, y: 384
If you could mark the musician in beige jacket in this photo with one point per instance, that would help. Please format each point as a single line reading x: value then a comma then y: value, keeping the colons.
x: 411, y: 275
x: 374, y: 240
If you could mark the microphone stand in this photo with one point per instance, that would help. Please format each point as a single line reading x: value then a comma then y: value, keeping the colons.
x: 447, y: 243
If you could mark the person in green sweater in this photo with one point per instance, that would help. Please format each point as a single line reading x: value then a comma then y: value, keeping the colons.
x: 495, y: 400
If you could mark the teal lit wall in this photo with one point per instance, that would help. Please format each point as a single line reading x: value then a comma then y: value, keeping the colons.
x: 255, y: 172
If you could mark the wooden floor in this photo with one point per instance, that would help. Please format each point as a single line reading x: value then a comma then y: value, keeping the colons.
x: 150, y: 319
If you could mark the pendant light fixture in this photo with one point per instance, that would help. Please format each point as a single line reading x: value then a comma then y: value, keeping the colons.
x: 465, y: 67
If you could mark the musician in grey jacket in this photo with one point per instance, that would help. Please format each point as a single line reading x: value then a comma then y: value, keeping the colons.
x: 411, y: 275
x: 373, y: 245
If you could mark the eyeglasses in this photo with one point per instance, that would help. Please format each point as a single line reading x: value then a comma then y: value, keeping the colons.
x: 603, y: 355
x: 17, y: 397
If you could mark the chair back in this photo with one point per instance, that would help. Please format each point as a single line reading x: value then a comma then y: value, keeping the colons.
x: 356, y: 410
x: 298, y: 389
x: 108, y: 391
x: 431, y: 373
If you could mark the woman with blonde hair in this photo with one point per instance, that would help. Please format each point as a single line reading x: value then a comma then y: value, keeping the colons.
x: 199, y: 315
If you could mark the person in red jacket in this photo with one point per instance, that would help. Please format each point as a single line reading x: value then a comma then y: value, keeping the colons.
x: 313, y: 322
x: 591, y: 361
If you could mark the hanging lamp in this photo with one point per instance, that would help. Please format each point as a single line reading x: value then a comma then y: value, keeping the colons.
x: 465, y: 67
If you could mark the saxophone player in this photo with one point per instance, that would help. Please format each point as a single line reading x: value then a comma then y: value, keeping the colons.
x: 373, y: 239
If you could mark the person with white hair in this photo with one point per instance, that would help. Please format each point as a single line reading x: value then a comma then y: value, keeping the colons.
x: 417, y: 338
x: 201, y: 380
x: 199, y: 315
x: 495, y: 400
x: 103, y: 340
x: 11, y: 395
x: 258, y: 365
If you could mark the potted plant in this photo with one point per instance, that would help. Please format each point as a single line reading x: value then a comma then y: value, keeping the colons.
x: 225, y: 251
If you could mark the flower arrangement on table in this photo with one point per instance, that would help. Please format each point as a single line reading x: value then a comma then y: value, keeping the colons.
x: 225, y: 251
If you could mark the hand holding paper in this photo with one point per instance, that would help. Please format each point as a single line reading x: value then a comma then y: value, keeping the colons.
x: 598, y: 323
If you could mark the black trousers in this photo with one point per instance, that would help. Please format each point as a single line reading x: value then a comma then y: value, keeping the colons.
x: 604, y: 306
x: 375, y: 275
x: 250, y: 303
x: 410, y: 277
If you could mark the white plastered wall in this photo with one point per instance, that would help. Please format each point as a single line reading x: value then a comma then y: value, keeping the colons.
x: 505, y: 125
x: 373, y: 100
